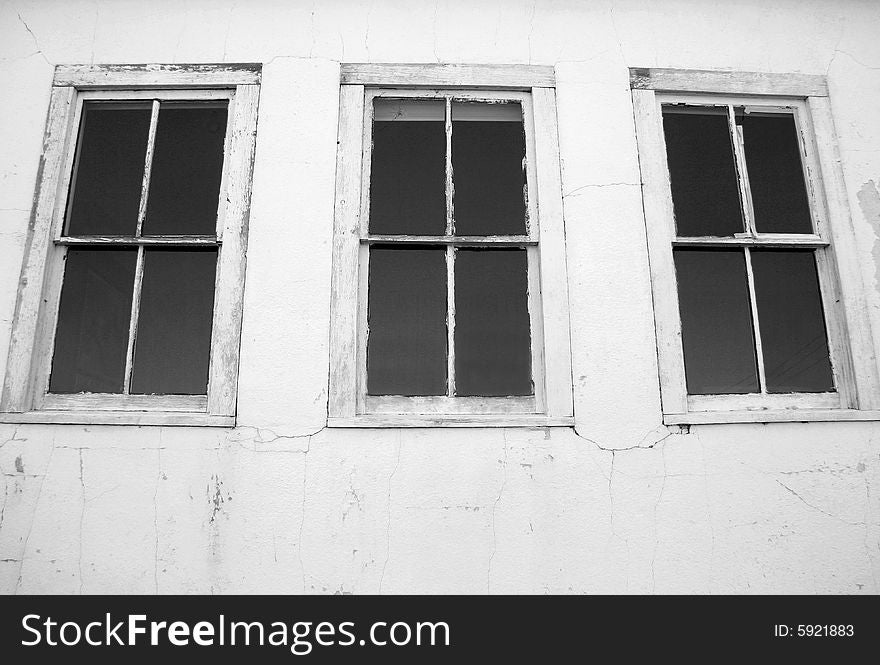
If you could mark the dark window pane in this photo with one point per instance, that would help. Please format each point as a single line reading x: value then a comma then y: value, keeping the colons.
x: 186, y: 171
x: 705, y: 193
x: 488, y: 152
x: 173, y: 341
x: 492, y: 336
x: 716, y: 322
x: 408, y: 172
x: 93, y: 318
x: 109, y: 169
x: 792, y: 323
x: 776, y: 177
x: 406, y: 350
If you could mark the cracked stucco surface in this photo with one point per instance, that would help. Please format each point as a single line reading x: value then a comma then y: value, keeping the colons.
x: 283, y: 505
x: 146, y: 510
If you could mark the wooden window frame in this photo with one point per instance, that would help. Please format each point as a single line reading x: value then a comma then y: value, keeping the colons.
x: 25, y: 395
x: 533, y: 88
x: 857, y: 394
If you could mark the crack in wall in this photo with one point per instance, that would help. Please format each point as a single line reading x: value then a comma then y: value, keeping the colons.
x: 302, y: 523
x: 388, y: 526
x: 33, y: 37
x: 156, y: 517
x: 531, y: 28
x: 3, y: 509
x: 312, y: 26
x: 82, y: 516
x: 578, y: 191
x: 228, y: 27
x: 494, y: 510
x: 816, y: 508
x: 434, y: 31
x: 708, y: 498
x: 352, y: 497
x: 656, y: 531
x: 33, y: 518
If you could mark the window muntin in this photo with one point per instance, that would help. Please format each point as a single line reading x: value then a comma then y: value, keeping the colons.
x: 463, y: 150
x: 743, y: 218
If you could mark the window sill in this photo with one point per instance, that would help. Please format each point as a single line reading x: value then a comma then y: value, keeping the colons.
x: 438, y: 420
x: 119, y: 418
x: 769, y: 416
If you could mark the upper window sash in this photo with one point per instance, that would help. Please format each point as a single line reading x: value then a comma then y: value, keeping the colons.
x: 156, y: 98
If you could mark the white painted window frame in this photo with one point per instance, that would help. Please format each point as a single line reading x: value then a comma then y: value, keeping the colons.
x: 857, y: 395
x: 25, y: 395
x: 533, y: 88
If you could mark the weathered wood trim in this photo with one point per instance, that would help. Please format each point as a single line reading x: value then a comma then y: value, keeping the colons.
x: 29, y: 365
x: 18, y: 380
x: 840, y: 342
x: 161, y: 418
x: 756, y: 324
x: 763, y: 402
x: 134, y: 316
x: 793, y: 240
x: 351, y: 239
x: 522, y: 77
x: 380, y: 421
x: 855, y: 322
x: 346, y: 245
x: 474, y: 241
x: 232, y: 260
x: 657, y: 204
x: 557, y: 376
x: 157, y: 75
x: 448, y: 405
x: 774, y: 416
x: 132, y: 241
x: 112, y: 402
x: 727, y: 82
x: 842, y: 291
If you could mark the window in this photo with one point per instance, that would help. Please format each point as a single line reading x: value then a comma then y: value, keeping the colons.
x: 140, y: 228
x: 755, y: 319
x: 447, y: 309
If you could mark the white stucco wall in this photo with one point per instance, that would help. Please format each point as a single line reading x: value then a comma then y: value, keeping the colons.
x: 282, y: 504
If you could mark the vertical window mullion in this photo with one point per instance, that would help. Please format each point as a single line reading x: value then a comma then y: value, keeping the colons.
x: 450, y: 320
x: 133, y: 320
x: 756, y: 326
x: 450, y: 259
x: 139, y: 267
x: 148, y: 167
x: 739, y: 154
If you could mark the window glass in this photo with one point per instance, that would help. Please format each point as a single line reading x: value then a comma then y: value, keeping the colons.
x: 173, y: 342
x: 776, y: 177
x: 93, y: 321
x: 406, y: 349
x: 408, y: 172
x: 705, y: 193
x: 792, y: 323
x: 492, y: 337
x: 187, y: 168
x: 488, y: 169
x: 108, y: 169
x: 716, y: 321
